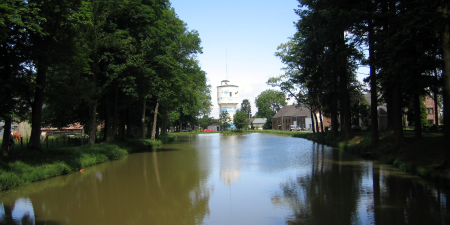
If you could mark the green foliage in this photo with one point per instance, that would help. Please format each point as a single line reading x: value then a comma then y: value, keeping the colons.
x: 269, y: 102
x: 246, y: 107
x: 360, y: 110
x: 224, y: 120
x: 87, y: 54
x: 268, y: 124
x: 405, y: 39
x: 423, y: 113
x: 205, y: 121
x: 240, y: 120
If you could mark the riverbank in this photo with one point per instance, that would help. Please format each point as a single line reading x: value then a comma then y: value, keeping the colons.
x: 23, y: 166
x: 421, y: 157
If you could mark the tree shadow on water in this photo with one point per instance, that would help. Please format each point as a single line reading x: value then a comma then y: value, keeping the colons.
x: 166, y: 149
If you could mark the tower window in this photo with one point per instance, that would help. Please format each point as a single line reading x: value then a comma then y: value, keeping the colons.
x: 231, y: 93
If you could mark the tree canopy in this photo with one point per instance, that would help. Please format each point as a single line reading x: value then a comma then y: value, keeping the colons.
x: 240, y: 120
x: 408, y: 46
x: 269, y: 102
x: 246, y: 107
x: 129, y: 66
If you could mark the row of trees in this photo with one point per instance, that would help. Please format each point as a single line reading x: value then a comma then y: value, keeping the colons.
x: 268, y: 102
x: 408, y: 54
x: 239, y: 120
x: 99, y: 62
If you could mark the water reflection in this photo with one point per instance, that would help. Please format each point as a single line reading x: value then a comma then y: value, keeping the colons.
x: 147, y: 188
x: 230, y: 170
x: 341, y: 190
x: 19, y: 212
x: 213, y: 179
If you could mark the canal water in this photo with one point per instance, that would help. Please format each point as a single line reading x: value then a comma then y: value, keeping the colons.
x: 212, y: 179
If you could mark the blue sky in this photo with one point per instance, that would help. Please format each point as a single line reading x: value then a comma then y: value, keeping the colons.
x: 240, y: 37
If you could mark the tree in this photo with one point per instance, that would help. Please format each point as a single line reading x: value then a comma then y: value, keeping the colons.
x: 269, y: 102
x: 205, y: 121
x: 97, y: 61
x: 445, y: 39
x: 17, y: 20
x: 411, y: 114
x: 224, y: 120
x: 240, y: 120
x: 54, y: 46
x: 246, y: 107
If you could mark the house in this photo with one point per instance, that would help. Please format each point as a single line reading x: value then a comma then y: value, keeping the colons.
x: 292, y: 115
x: 429, y: 103
x: 259, y: 122
x: 215, y: 126
x: 382, y: 114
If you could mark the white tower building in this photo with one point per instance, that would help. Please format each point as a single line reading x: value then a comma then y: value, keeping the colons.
x: 228, y: 98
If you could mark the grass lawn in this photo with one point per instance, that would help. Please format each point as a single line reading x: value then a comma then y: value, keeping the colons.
x: 23, y: 166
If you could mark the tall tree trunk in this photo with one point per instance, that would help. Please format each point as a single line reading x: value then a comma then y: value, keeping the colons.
x: 334, y: 119
x: 436, y: 114
x: 320, y: 119
x: 416, y: 97
x: 93, y: 121
x: 343, y: 86
x: 417, y: 112
x: 106, y: 127
x: 158, y: 127
x: 116, y: 112
x: 397, y: 115
x: 435, y: 98
x: 334, y: 108
x: 36, y: 114
x: 6, y: 106
x: 312, y: 122
x: 166, y: 123
x: 93, y: 106
x: 446, y: 92
x: 373, y: 88
x: 149, y: 129
x: 121, y: 125
x: 317, y: 122
x: 181, y: 121
x: 129, y: 124
x: 144, y: 105
x: 6, y: 136
x: 154, y: 121
x: 390, y: 112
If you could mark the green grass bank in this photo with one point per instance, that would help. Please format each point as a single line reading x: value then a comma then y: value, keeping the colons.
x: 23, y: 166
x: 423, y: 157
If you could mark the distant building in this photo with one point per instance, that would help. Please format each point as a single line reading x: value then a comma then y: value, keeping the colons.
x: 429, y: 103
x: 382, y: 114
x: 228, y: 99
x: 292, y: 115
x: 259, y: 122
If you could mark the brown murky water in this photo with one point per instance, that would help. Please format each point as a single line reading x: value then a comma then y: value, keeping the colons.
x: 213, y: 179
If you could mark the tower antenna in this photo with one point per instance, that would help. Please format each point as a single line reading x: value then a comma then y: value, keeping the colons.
x: 226, y: 63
